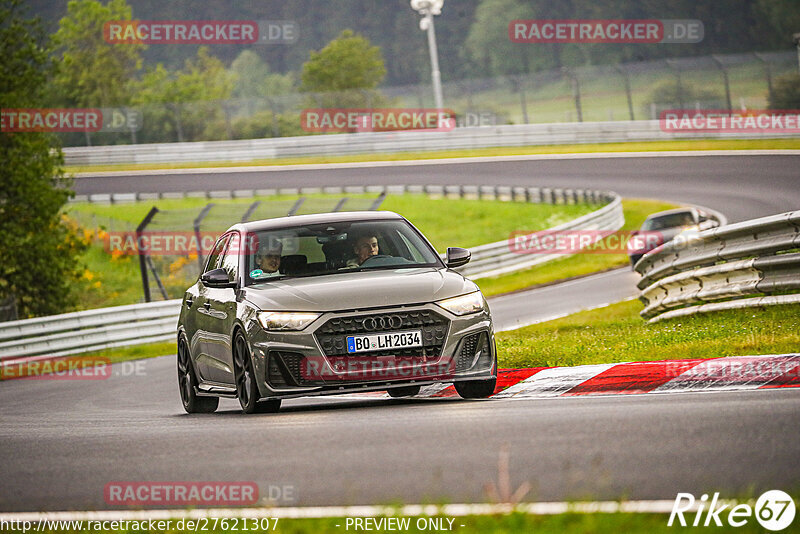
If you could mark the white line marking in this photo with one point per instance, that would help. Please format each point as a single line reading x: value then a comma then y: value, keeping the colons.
x: 320, y: 512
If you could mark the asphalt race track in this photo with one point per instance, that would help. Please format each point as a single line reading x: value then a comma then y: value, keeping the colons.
x: 743, y: 187
x: 63, y: 441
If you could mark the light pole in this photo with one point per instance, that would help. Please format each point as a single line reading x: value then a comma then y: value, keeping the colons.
x: 429, y: 8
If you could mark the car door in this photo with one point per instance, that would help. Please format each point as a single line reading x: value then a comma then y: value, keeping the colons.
x: 221, y: 313
x: 200, y: 342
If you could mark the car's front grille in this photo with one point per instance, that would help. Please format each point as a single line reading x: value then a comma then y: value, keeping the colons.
x: 332, y: 336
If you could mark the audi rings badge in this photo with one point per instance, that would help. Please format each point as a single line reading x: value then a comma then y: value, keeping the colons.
x: 383, y: 322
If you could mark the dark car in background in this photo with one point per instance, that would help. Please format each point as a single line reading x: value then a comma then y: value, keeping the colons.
x: 664, y: 226
x: 327, y: 304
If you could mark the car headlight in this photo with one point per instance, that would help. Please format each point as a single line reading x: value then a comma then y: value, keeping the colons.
x: 469, y: 303
x: 272, y: 320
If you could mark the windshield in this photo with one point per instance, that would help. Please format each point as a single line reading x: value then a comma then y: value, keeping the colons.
x: 329, y: 248
x: 669, y: 221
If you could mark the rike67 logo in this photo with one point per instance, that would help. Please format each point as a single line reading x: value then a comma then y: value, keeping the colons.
x: 774, y: 510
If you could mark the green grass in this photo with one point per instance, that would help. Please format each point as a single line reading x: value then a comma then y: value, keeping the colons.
x: 569, y: 523
x: 636, y: 210
x: 616, y: 333
x: 648, y: 146
x: 116, y: 280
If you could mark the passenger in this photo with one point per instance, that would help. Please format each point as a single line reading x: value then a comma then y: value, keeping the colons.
x: 268, y: 257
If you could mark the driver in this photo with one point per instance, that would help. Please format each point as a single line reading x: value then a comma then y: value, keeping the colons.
x: 365, y: 247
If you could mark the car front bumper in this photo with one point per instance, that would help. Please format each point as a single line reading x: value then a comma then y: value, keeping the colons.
x: 314, y: 361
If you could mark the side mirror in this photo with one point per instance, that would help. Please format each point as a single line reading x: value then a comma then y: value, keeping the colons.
x: 217, y: 278
x: 456, y: 257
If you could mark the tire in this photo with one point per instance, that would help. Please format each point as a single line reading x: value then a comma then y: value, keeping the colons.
x: 475, y: 389
x: 406, y: 391
x: 246, y: 386
x: 187, y: 383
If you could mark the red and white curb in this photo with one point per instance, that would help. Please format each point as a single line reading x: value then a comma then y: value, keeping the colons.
x: 664, y: 376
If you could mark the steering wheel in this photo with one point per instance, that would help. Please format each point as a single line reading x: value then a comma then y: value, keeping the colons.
x: 375, y: 257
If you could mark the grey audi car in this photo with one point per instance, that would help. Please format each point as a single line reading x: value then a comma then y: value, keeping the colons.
x: 328, y: 304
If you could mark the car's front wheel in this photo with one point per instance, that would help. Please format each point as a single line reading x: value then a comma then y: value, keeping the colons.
x: 475, y: 389
x: 246, y: 386
x: 187, y: 383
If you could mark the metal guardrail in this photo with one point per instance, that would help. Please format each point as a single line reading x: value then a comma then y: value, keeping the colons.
x: 387, y: 142
x: 747, y: 264
x: 73, y: 333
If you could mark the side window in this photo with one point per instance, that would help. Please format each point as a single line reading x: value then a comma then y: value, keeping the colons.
x: 213, y: 259
x: 230, y: 261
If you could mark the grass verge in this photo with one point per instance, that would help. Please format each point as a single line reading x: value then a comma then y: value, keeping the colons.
x: 649, y: 146
x: 113, y: 280
x: 616, y: 333
x: 636, y: 210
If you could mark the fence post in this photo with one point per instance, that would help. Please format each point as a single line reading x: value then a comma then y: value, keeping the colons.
x: 627, y: 81
x: 576, y: 91
x: 196, y: 225
x: 721, y: 67
x: 677, y: 69
x: 768, y: 72
x: 523, y: 101
x: 141, y: 253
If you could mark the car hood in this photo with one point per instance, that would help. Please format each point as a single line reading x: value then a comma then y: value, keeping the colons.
x: 359, y: 290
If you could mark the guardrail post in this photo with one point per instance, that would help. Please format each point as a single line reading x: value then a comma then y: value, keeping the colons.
x: 142, y: 259
x: 378, y: 201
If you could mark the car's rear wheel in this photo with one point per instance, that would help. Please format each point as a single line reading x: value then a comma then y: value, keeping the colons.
x: 475, y: 389
x: 187, y: 383
x: 246, y: 386
x: 405, y: 391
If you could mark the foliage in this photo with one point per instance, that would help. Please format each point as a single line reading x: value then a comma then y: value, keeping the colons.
x: 669, y: 93
x: 349, y: 68
x: 93, y: 73
x: 180, y: 105
x: 39, y: 252
x: 786, y: 92
x: 253, y: 78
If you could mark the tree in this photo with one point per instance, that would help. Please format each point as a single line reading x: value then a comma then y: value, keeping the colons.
x: 94, y: 73
x: 349, y: 67
x: 786, y: 93
x: 40, y: 254
x: 185, y: 103
x: 253, y: 79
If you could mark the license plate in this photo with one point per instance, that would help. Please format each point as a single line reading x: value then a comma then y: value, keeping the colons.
x: 385, y: 341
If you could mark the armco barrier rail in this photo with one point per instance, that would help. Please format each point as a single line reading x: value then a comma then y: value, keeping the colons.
x: 747, y: 264
x: 72, y: 333
x: 383, y: 142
